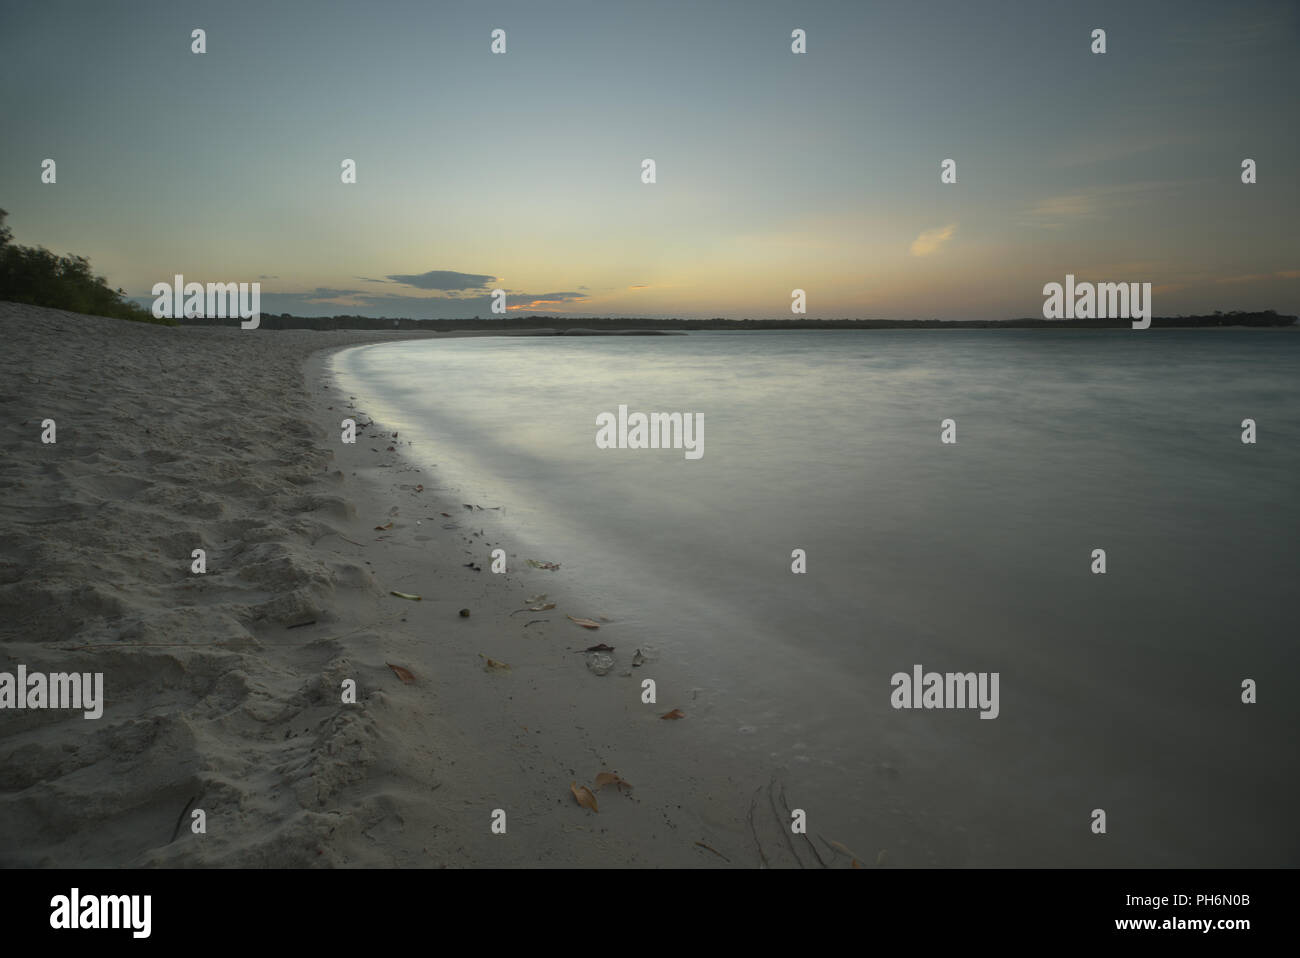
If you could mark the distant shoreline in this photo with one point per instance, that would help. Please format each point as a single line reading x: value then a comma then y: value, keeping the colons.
x: 551, y: 325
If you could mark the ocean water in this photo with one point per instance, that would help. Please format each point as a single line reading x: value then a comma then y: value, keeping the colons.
x: 1119, y: 692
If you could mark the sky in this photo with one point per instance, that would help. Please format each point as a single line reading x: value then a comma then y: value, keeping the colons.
x: 775, y: 171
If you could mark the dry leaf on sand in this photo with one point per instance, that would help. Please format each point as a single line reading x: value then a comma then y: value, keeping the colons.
x: 609, y: 778
x: 407, y: 595
x: 492, y: 663
x: 382, y: 528
x: 583, y: 794
x: 585, y: 623
x: 674, y: 714
x: 843, y: 849
x: 401, y: 673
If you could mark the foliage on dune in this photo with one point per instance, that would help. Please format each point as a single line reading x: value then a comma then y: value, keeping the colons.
x: 35, y: 276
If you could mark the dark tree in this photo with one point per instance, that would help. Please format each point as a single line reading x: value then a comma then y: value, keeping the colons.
x: 34, y: 275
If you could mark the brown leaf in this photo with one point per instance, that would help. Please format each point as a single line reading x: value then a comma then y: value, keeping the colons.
x: 609, y: 778
x: 585, y: 623
x: 583, y: 794
x: 544, y: 607
x: 855, y: 864
x: 674, y: 714
x: 401, y: 673
x: 492, y: 663
x: 382, y: 528
x: 841, y: 848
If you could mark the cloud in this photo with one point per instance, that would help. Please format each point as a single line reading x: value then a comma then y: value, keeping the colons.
x: 324, y: 294
x: 452, y: 295
x: 326, y: 301
x: 1086, y: 149
x: 1055, y: 212
x: 1257, y: 277
x: 931, y: 240
x: 443, y: 279
x: 542, y: 300
x: 1074, y: 204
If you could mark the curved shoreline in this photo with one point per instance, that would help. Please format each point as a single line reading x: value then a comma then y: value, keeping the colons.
x: 223, y: 689
x: 528, y: 732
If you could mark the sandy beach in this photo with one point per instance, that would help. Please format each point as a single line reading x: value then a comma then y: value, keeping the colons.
x: 223, y: 691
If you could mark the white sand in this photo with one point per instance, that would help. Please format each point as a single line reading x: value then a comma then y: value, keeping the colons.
x: 223, y: 439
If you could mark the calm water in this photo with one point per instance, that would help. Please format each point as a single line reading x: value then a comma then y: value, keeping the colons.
x: 1118, y: 691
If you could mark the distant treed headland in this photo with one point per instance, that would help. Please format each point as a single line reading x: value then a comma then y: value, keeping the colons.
x: 559, y: 325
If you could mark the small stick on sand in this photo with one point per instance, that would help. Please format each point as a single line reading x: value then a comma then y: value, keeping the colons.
x: 181, y: 818
x: 771, y: 797
x: 341, y: 536
x: 810, y: 842
x: 753, y: 804
x: 715, y: 851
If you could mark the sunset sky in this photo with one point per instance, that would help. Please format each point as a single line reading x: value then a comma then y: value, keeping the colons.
x: 775, y: 171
